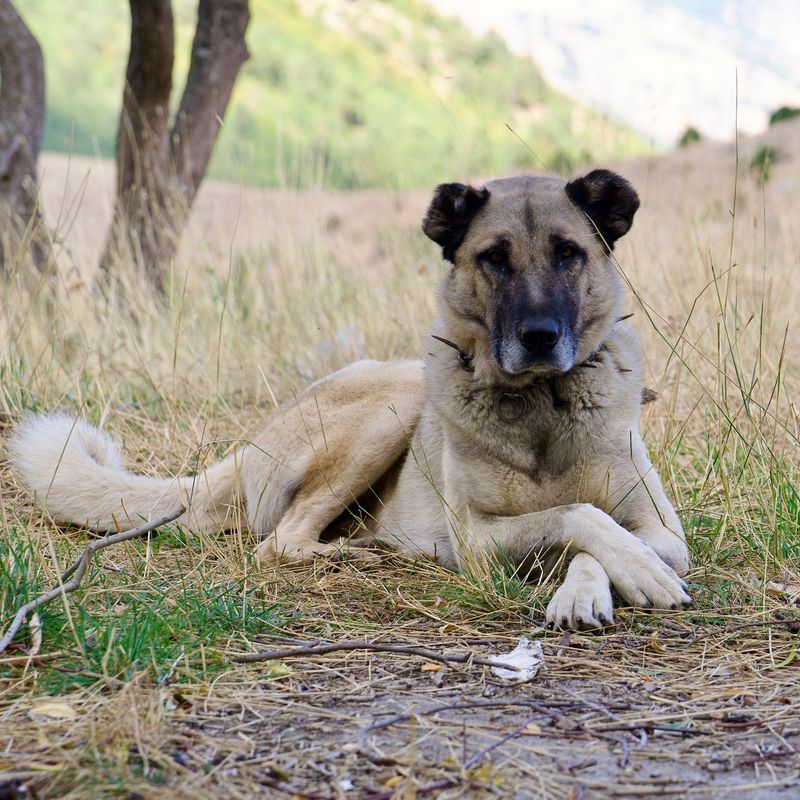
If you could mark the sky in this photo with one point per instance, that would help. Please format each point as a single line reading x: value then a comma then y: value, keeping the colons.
x: 659, y: 65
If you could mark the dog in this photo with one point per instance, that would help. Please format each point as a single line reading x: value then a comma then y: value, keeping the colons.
x: 517, y: 435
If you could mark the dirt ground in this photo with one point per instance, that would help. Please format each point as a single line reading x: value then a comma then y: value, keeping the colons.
x: 606, y: 718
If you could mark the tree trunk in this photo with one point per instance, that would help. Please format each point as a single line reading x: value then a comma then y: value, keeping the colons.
x: 21, y: 124
x: 160, y: 170
x: 218, y: 52
x: 138, y: 231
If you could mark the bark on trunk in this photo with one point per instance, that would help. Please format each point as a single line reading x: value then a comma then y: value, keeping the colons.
x: 138, y: 232
x: 218, y: 53
x: 21, y: 124
x: 160, y: 170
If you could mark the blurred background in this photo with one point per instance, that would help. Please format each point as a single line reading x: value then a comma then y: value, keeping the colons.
x: 402, y: 93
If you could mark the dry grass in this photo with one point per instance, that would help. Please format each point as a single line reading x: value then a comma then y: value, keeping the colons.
x: 275, y: 288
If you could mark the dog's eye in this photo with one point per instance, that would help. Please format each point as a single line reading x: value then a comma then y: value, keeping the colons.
x: 566, y: 252
x: 496, y: 257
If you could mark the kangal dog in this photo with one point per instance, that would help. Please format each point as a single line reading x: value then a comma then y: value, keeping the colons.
x: 519, y: 433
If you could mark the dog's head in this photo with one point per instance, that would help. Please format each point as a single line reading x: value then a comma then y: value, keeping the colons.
x: 532, y: 287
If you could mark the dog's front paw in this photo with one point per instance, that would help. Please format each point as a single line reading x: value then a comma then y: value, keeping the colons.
x: 645, y: 581
x: 669, y: 547
x: 583, y: 601
x: 272, y: 551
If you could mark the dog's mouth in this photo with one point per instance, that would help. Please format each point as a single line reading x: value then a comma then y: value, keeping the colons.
x: 534, y: 370
x: 517, y: 365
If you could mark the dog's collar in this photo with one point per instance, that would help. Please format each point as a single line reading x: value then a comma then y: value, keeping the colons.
x: 510, y: 406
x: 464, y: 359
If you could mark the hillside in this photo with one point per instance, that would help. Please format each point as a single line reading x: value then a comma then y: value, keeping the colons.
x: 659, y: 66
x: 343, y: 94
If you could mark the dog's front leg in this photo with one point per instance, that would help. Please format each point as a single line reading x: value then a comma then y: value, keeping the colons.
x: 583, y: 601
x: 635, y: 570
x: 647, y: 513
x: 654, y: 521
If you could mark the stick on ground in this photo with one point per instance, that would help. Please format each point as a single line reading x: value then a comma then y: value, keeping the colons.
x: 318, y: 649
x: 71, y: 578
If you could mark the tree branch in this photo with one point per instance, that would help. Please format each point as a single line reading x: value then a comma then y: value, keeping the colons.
x: 141, y: 229
x: 142, y: 136
x: 71, y: 578
x: 318, y: 649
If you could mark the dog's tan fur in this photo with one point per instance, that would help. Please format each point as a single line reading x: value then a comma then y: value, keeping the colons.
x: 487, y: 445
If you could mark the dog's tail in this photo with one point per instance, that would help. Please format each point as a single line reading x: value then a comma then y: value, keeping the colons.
x: 76, y: 473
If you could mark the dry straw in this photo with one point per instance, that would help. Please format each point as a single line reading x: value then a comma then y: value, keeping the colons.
x: 703, y: 702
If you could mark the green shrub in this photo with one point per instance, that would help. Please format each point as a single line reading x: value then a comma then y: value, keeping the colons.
x: 689, y: 136
x: 783, y: 113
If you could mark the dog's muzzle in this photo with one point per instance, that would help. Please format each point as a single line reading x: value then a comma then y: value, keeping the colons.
x: 539, y: 343
x: 539, y: 336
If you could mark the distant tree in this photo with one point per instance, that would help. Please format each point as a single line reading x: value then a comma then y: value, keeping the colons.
x: 762, y: 162
x: 160, y: 166
x: 783, y: 113
x: 21, y: 124
x: 689, y: 136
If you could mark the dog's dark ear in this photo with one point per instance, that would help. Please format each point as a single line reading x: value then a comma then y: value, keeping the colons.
x: 450, y: 213
x: 608, y: 200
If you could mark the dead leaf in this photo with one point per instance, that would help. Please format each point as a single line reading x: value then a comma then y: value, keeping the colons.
x: 49, y: 710
x: 527, y: 657
x: 35, y: 630
x: 655, y: 645
x: 449, y: 627
x: 734, y: 691
x: 532, y: 728
x: 430, y: 667
x: 277, y: 669
x: 790, y: 591
x: 485, y: 774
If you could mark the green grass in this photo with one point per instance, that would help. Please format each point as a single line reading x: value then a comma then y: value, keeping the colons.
x: 394, y: 95
x: 124, y: 624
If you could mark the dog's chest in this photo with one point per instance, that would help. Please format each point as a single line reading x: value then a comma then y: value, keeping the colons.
x: 543, y: 430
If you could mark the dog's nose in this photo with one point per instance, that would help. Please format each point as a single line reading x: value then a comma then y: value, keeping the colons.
x: 539, y: 335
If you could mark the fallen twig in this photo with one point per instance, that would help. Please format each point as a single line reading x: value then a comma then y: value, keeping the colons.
x: 643, y: 726
x: 321, y: 648
x: 748, y: 762
x: 792, y: 624
x: 17, y: 661
x: 71, y: 579
x: 397, y: 718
